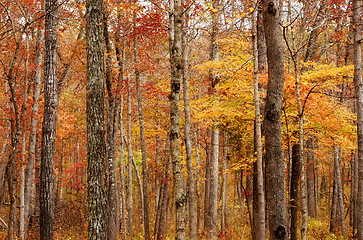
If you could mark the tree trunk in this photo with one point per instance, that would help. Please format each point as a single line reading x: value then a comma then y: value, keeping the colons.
x: 198, y: 175
x: 129, y: 202
x: 310, y: 178
x: 142, y: 138
x: 213, y: 181
x: 174, y: 98
x: 294, y: 189
x: 97, y: 163
x: 49, y: 122
x: 224, y: 211
x: 358, y: 83
x: 354, y: 192
x: 259, y: 63
x: 337, y: 213
x: 303, y: 189
x: 275, y: 177
x: 188, y: 139
x: 112, y: 126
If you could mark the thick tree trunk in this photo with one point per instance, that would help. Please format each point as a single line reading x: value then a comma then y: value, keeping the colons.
x: 174, y: 98
x: 97, y: 162
x: 259, y: 62
x: 275, y: 174
x: 49, y: 122
x: 358, y: 83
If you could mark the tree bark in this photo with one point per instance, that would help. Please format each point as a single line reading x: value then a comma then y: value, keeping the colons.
x: 214, y: 164
x: 310, y: 178
x: 174, y: 130
x: 49, y: 122
x: 112, y: 126
x: 358, y: 83
x: 224, y: 211
x: 97, y: 161
x: 259, y: 223
x: 188, y: 138
x: 275, y: 181
x: 294, y: 189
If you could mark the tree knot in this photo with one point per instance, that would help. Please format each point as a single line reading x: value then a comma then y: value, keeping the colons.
x: 271, y: 8
x: 280, y: 232
x: 180, y: 201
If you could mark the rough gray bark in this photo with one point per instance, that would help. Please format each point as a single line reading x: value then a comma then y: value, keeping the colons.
x: 174, y: 128
x: 275, y: 178
x: 358, y: 83
x: 97, y: 159
x: 142, y: 139
x: 49, y: 122
x: 188, y: 139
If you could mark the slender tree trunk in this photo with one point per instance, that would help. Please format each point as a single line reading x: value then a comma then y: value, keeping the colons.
x: 97, y: 163
x: 294, y: 189
x: 337, y: 212
x: 164, y: 198
x: 213, y: 181
x: 142, y: 138
x: 122, y: 182
x: 310, y: 178
x: 197, y: 182
x: 120, y: 56
x: 259, y: 223
x: 188, y: 139
x: 224, y: 211
x: 303, y: 189
x: 358, y: 83
x: 275, y: 174
x: 112, y: 127
x: 49, y: 122
x: 354, y: 190
x: 129, y: 164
